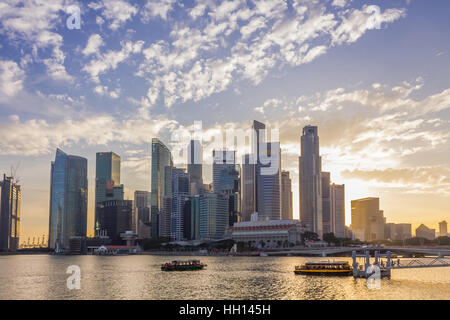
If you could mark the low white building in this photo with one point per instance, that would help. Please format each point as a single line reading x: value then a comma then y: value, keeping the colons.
x: 272, y: 233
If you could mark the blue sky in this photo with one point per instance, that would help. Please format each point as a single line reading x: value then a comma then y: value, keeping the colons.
x: 374, y: 79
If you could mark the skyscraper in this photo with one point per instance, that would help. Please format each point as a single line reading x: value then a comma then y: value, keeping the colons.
x: 326, y: 202
x: 248, y: 183
x: 114, y: 218
x: 337, y: 209
x: 249, y: 171
x: 107, y: 180
x: 268, y: 181
x: 68, y: 199
x: 286, y: 196
x: 194, y: 166
x: 180, y: 194
x: 367, y: 219
x: 10, y: 200
x: 141, y: 214
x: 443, y: 228
x: 213, y: 216
x: 227, y: 181
x: 161, y: 181
x: 310, y: 191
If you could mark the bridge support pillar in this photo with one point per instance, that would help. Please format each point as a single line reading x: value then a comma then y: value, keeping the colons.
x: 367, y: 261
x: 355, y: 264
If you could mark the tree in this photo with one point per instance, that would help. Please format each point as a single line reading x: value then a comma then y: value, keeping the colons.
x: 330, y: 238
x: 309, y: 236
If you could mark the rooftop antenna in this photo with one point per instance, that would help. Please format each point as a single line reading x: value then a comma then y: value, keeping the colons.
x: 14, y: 172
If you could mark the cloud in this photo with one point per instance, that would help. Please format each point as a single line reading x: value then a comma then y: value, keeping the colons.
x: 238, y: 41
x: 111, y: 59
x: 117, y: 12
x: 11, y: 78
x: 94, y: 43
x: 34, y: 22
x: 156, y: 8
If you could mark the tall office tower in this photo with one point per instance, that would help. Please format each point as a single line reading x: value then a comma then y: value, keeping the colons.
x: 337, y: 209
x: 10, y: 199
x: 213, y: 216
x: 194, y: 166
x: 268, y: 181
x: 443, y: 228
x: 326, y: 202
x: 141, y: 214
x: 286, y: 196
x: 164, y: 219
x: 195, y: 217
x: 310, y: 191
x: 114, y: 218
x: 227, y: 181
x: 187, y: 219
x: 180, y: 194
x: 161, y: 184
x: 107, y: 180
x: 248, y: 183
x: 68, y: 200
x: 367, y: 219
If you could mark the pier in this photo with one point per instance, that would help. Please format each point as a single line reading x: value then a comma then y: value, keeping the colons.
x: 368, y: 269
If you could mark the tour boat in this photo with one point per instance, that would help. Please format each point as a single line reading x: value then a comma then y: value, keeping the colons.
x: 325, y: 268
x: 183, y: 265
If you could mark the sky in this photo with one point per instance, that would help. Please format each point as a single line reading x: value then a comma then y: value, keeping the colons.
x: 372, y: 75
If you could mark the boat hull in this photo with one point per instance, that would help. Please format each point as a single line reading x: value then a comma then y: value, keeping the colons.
x: 331, y: 273
x: 182, y: 268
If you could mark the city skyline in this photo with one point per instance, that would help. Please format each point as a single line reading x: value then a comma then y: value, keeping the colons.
x: 381, y: 101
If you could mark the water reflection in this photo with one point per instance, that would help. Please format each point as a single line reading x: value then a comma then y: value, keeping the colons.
x: 140, y: 277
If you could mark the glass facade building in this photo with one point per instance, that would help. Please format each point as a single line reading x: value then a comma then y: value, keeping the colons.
x: 68, y: 200
x: 161, y: 181
x: 310, y: 190
x: 107, y: 180
x: 214, y: 218
x: 10, y: 200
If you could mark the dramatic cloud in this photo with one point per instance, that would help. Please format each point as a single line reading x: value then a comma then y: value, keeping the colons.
x: 11, y: 78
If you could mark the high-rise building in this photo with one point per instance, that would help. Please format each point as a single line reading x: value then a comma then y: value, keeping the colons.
x: 213, y: 216
x: 249, y: 172
x: 107, y: 180
x: 310, y: 191
x: 337, y: 210
x: 248, y: 183
x: 10, y: 200
x: 286, y: 196
x: 194, y: 166
x: 397, y: 231
x: 141, y: 214
x: 443, y: 228
x: 195, y: 217
x: 367, y: 219
x: 227, y: 181
x: 161, y: 182
x: 424, y: 232
x: 180, y: 194
x: 268, y: 181
x: 326, y: 202
x: 68, y: 200
x: 114, y: 218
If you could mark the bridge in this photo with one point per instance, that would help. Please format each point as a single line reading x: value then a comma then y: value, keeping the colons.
x: 384, y: 269
x: 323, y: 252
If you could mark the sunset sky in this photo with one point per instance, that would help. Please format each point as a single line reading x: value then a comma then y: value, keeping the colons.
x: 375, y: 80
